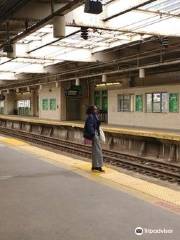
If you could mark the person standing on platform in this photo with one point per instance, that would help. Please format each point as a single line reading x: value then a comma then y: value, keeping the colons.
x: 92, y: 135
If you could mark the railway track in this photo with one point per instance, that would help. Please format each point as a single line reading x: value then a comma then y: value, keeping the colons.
x: 153, y: 168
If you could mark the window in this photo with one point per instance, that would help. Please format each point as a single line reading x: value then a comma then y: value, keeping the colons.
x: 24, y: 107
x: 173, y: 102
x: 45, y: 105
x: 52, y: 104
x: 101, y: 100
x: 139, y: 103
x: 157, y: 102
x: 124, y: 103
x: 149, y: 102
x: 97, y: 99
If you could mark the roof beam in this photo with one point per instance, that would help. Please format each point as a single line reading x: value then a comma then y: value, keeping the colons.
x: 62, y: 11
x: 159, y: 13
x: 128, y: 10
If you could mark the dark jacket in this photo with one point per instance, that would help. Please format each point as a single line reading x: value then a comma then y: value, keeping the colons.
x: 91, y: 126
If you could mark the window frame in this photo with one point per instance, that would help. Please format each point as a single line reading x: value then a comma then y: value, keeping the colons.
x: 55, y: 106
x: 152, y: 102
x: 47, y: 108
x: 130, y: 102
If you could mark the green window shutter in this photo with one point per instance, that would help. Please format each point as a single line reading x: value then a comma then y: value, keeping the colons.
x: 45, y: 104
x: 52, y: 104
x: 139, y: 103
x: 173, y: 102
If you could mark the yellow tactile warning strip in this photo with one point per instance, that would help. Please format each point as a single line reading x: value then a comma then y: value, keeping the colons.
x: 159, y: 134
x: 11, y: 141
x: 157, y: 194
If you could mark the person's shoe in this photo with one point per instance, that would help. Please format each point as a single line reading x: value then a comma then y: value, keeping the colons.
x: 93, y: 169
x: 101, y: 170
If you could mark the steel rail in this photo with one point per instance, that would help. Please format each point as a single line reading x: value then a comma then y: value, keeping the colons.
x: 164, y: 171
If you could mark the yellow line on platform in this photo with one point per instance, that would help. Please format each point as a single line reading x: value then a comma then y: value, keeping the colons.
x: 161, y: 195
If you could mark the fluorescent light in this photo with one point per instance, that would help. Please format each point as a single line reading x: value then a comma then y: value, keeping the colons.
x: 108, y: 84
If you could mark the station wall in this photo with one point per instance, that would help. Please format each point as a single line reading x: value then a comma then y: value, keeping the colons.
x: 168, y: 117
x: 50, y: 103
x: 9, y: 103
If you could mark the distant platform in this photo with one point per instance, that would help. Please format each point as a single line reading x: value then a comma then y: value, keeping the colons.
x: 166, y: 134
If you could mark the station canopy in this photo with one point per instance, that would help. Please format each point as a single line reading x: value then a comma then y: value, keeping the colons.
x: 121, y: 22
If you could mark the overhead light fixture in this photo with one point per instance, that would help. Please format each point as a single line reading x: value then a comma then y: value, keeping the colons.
x: 109, y: 84
x: 8, y: 91
x: 28, y: 89
x: 40, y: 87
x: 17, y: 90
x: 77, y: 83
x: 84, y: 33
x: 104, y: 78
x: 93, y: 7
x: 165, y: 42
x: 57, y: 84
x: 141, y: 73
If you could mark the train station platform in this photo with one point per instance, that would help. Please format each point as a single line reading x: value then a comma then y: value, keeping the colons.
x: 46, y: 195
x: 109, y: 128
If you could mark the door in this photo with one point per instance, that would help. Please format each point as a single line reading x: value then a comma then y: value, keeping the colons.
x: 73, y: 109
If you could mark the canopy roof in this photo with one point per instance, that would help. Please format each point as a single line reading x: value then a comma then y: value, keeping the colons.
x: 121, y: 22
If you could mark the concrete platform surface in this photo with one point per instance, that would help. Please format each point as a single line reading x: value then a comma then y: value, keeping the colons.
x: 42, y: 200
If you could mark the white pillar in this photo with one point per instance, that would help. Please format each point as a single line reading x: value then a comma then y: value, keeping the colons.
x: 59, y: 26
x: 57, y: 84
x: 13, y: 53
x: 141, y: 73
x: 77, y: 83
x: 104, y: 78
